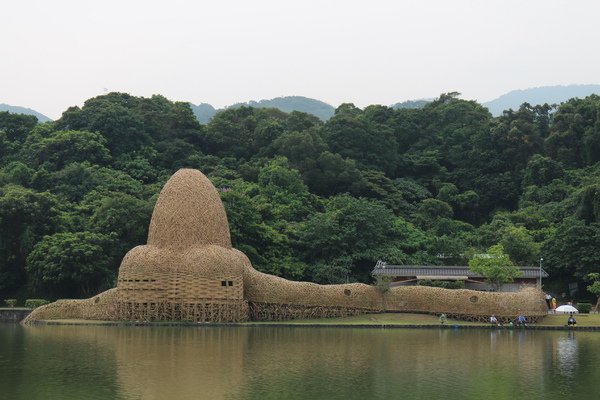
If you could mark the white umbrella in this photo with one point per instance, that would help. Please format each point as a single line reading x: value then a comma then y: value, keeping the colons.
x: 566, y: 309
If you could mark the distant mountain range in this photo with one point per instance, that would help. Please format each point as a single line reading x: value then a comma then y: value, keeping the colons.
x: 511, y: 100
x: 22, y: 110
x: 534, y: 96
x: 411, y: 104
x: 204, y: 112
x: 539, y: 95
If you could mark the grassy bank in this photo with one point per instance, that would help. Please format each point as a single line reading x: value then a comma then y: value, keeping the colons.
x: 582, y: 320
x: 424, y: 319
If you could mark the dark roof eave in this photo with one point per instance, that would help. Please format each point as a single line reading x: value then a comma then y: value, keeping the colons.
x: 414, y: 270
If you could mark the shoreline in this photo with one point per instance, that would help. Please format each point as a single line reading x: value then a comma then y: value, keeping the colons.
x: 311, y: 325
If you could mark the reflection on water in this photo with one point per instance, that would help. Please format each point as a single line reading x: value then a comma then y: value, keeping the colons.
x: 566, y: 355
x: 88, y: 362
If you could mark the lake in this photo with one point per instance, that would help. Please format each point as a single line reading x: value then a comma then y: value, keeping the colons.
x: 110, y: 362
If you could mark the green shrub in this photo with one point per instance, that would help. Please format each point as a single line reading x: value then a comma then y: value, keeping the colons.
x: 584, y: 308
x: 11, y: 302
x: 35, y: 303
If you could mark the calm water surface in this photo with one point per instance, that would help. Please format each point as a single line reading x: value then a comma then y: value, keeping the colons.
x: 87, y: 362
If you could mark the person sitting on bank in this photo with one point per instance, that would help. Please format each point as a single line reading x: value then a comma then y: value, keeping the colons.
x: 494, y: 320
x: 521, y: 320
x: 571, y: 321
x: 443, y: 319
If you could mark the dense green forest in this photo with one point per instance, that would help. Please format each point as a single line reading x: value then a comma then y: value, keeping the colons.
x: 306, y: 199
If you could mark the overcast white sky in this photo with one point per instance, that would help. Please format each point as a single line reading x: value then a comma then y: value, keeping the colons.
x: 58, y: 53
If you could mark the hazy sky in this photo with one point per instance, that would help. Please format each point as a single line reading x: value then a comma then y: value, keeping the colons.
x: 58, y: 53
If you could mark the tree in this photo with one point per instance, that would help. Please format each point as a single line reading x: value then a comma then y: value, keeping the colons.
x: 16, y: 172
x: 382, y: 283
x: 129, y: 123
x: 330, y: 272
x: 243, y: 132
x: 572, y: 249
x: 375, y: 185
x: 139, y: 166
x: 542, y: 170
x: 413, y: 193
x: 351, y: 134
x: 173, y: 154
x: 519, y: 245
x: 453, y: 125
x: 76, y: 180
x: 72, y: 264
x: 266, y: 246
x: 124, y: 216
x: 333, y: 174
x: 300, y: 121
x: 300, y: 148
x: 64, y: 147
x: 284, y: 189
x: 594, y: 287
x: 16, y: 126
x: 495, y: 266
x: 589, y: 204
x: 357, y: 231
x: 575, y: 132
x: 122, y: 128
x: 25, y: 217
x: 463, y: 204
x: 430, y: 211
x: 517, y: 135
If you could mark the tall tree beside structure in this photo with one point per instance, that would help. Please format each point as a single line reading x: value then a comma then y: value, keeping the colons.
x: 495, y: 266
x: 594, y: 288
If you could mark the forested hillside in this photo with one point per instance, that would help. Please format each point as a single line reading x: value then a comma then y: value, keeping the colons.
x: 306, y: 199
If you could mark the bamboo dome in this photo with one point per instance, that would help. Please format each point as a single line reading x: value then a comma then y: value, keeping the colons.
x: 188, y: 269
x: 189, y: 213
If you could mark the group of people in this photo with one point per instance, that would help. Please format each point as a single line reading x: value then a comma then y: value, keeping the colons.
x: 520, y: 321
x: 551, y: 302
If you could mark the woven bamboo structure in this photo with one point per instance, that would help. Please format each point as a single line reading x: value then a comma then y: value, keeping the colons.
x: 188, y: 271
x: 273, y: 298
x: 102, y: 307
